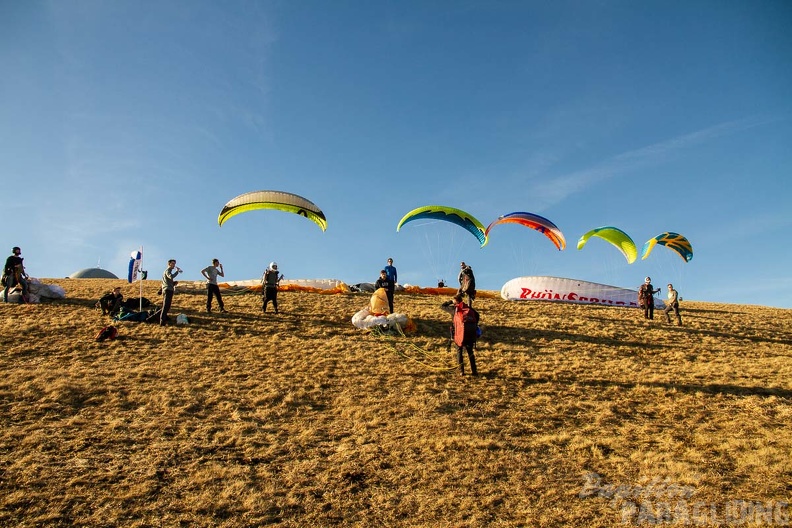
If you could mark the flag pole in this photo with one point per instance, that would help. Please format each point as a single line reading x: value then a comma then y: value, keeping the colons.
x: 140, y: 280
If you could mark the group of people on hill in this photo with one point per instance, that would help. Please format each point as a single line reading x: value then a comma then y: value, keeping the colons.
x: 646, y: 301
x: 14, y: 277
x: 464, y: 328
x: 111, y: 302
x: 465, y: 319
x: 388, y: 280
x: 269, y: 282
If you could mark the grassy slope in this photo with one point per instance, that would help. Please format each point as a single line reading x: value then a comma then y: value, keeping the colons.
x: 300, y: 419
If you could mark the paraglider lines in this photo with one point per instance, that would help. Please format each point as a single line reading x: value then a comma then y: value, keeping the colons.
x: 420, y: 353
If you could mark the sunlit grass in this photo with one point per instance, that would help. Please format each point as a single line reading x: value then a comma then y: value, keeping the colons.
x: 300, y: 419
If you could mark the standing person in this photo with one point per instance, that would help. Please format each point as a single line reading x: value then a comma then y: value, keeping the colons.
x: 672, y: 304
x: 168, y: 287
x: 467, y: 282
x: 464, y: 330
x: 211, y: 273
x: 390, y: 269
x: 14, y: 274
x: 646, y: 298
x: 270, y: 281
x: 385, y: 282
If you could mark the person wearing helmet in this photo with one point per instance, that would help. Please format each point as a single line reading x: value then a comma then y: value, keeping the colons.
x: 270, y: 281
x: 14, y: 276
x: 646, y: 298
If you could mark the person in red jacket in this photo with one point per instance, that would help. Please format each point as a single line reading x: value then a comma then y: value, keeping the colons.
x: 464, y: 330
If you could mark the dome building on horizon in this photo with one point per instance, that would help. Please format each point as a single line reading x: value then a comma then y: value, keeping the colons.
x: 92, y: 273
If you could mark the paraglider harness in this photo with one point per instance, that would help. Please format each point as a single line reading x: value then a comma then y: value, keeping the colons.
x: 466, y: 324
x: 108, y: 332
x: 645, y: 295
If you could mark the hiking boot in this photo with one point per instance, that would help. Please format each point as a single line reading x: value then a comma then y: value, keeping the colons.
x: 222, y: 310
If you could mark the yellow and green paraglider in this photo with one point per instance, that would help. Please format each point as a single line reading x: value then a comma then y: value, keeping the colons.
x: 447, y: 214
x: 673, y: 241
x: 535, y: 222
x: 277, y: 200
x: 615, y: 236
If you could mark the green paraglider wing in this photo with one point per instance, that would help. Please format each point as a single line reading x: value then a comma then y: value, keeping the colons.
x: 615, y: 236
x: 674, y: 241
x: 277, y: 200
x: 448, y: 214
x: 536, y: 222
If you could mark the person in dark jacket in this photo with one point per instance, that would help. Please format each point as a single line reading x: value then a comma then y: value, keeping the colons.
x: 14, y: 274
x: 390, y: 286
x: 646, y: 298
x: 467, y: 282
x: 110, y: 303
x: 270, y: 281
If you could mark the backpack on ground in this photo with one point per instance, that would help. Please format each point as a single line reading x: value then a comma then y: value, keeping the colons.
x: 108, y: 332
x: 133, y: 303
x: 125, y: 315
x: 154, y: 317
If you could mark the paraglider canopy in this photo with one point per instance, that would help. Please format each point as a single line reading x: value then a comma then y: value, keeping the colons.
x: 614, y: 236
x: 535, y: 222
x: 447, y: 214
x: 278, y: 200
x: 673, y: 241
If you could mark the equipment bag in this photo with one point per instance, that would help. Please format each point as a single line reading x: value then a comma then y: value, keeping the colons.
x: 108, y: 332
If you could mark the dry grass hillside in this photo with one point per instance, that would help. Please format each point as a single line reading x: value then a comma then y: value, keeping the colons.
x: 582, y: 416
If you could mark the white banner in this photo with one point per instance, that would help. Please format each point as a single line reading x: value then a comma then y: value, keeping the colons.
x: 559, y: 289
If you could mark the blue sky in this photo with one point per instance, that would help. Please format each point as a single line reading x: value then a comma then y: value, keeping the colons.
x: 127, y: 124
